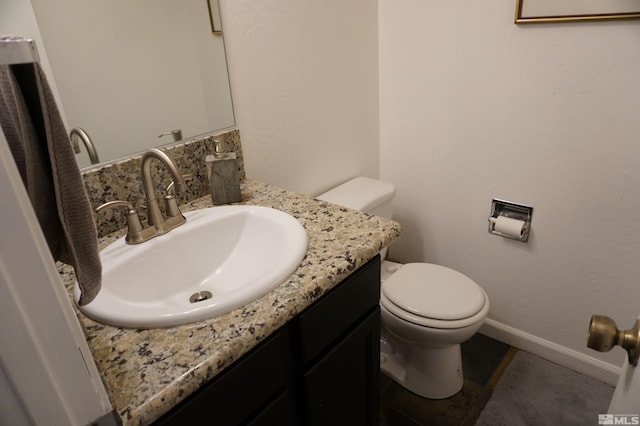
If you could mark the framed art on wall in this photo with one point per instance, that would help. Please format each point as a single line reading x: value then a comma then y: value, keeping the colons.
x: 214, y: 16
x: 532, y: 11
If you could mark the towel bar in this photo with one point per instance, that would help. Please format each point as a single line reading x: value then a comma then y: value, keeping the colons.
x: 17, y: 50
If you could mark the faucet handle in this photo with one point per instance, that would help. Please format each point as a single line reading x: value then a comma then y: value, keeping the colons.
x: 186, y: 177
x: 134, y: 227
x: 115, y: 203
x: 174, y: 215
x: 170, y: 201
x: 171, y: 206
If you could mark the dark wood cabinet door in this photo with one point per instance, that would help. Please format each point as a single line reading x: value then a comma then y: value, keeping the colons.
x: 343, y: 387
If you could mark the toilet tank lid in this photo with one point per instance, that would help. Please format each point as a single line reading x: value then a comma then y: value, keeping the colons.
x: 360, y: 193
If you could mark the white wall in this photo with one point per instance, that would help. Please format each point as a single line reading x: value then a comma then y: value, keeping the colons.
x: 475, y: 107
x: 472, y: 107
x: 304, y: 78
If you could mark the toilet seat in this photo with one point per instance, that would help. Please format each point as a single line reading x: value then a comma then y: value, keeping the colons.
x: 433, y: 296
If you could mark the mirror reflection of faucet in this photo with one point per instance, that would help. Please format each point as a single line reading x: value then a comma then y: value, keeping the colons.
x: 176, y: 134
x: 79, y: 133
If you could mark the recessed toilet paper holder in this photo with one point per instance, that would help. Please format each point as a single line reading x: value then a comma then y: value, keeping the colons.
x: 514, y: 212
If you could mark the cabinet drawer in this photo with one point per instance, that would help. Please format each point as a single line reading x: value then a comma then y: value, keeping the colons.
x: 323, y: 323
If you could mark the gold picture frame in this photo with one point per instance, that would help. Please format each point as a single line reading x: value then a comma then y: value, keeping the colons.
x: 214, y: 16
x: 540, y: 11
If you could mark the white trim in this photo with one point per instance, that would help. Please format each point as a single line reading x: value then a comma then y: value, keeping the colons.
x: 42, y: 345
x: 553, y: 352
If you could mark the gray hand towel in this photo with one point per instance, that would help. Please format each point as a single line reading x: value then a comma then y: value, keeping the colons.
x: 31, y: 122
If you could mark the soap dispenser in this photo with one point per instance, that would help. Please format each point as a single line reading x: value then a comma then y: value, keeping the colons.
x: 224, y: 178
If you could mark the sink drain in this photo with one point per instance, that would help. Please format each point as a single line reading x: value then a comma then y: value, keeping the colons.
x: 200, y: 296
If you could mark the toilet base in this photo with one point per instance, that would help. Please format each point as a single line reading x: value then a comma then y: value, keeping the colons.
x: 434, y: 373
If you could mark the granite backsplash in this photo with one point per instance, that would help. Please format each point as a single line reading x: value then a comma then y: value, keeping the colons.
x: 122, y: 180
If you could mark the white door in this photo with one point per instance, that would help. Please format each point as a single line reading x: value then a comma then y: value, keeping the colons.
x: 44, y: 378
x: 626, y: 398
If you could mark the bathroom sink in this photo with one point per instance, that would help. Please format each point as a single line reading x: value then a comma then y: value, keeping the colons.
x: 220, y: 259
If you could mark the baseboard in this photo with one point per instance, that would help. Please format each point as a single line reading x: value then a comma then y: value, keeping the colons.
x: 553, y: 352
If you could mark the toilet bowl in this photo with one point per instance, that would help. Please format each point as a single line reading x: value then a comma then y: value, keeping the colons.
x: 427, y: 310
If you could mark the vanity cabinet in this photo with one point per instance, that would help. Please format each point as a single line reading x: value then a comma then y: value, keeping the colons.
x: 343, y: 387
x: 321, y: 368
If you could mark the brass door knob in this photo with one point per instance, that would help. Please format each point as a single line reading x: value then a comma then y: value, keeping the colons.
x: 604, y: 335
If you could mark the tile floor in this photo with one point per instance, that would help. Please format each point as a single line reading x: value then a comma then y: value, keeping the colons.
x: 483, y: 361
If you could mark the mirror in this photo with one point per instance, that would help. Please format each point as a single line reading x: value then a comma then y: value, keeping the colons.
x: 127, y: 72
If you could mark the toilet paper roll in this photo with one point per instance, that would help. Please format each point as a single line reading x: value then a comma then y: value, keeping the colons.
x: 509, y: 227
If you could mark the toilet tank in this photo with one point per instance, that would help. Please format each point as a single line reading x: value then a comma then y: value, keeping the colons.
x: 365, y: 194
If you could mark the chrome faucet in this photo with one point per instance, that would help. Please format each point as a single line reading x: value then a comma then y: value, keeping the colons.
x: 158, y: 225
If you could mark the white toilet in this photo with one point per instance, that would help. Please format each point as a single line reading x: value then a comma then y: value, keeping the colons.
x: 427, y: 310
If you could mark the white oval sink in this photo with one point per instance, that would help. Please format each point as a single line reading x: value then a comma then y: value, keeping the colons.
x: 221, y: 258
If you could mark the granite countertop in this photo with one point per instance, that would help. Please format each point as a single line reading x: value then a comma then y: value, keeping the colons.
x: 147, y: 372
